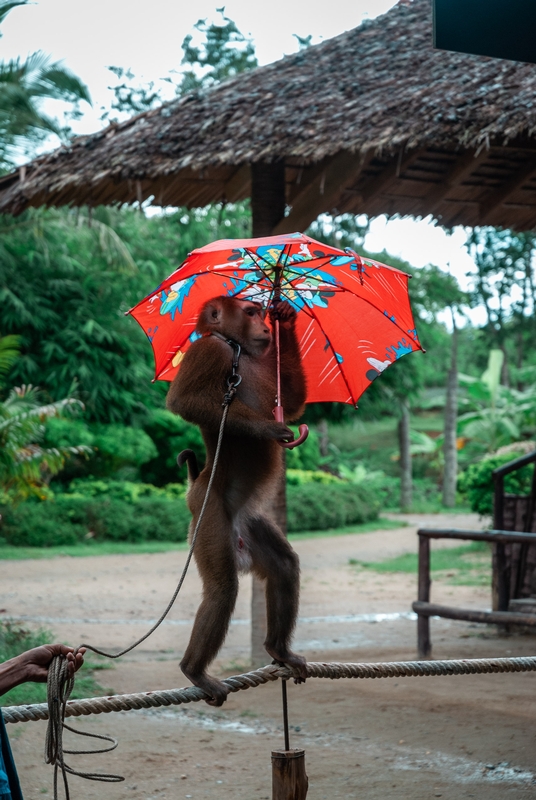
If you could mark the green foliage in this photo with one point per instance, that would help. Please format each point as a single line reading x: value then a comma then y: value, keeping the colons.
x: 476, y: 482
x: 129, y: 97
x: 24, y: 84
x: 497, y: 415
x: 66, y: 279
x: 504, y: 283
x: 315, y: 506
x: 307, y: 455
x: 73, y: 518
x: 119, y: 446
x: 224, y: 53
x: 299, y: 477
x: 9, y: 352
x: 345, y: 230
x: 25, y: 464
x: 128, y: 491
x: 16, y: 639
x: 170, y: 434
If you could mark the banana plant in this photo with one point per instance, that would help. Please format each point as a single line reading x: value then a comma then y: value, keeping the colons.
x: 497, y: 415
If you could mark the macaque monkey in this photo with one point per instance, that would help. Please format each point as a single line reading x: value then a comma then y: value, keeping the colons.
x: 237, y: 533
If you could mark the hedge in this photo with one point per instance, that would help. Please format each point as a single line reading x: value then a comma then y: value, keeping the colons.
x: 317, y: 506
x: 74, y: 518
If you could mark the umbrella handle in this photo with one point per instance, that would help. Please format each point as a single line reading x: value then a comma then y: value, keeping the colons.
x: 304, y: 430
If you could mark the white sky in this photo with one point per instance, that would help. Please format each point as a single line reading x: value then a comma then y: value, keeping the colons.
x: 147, y: 36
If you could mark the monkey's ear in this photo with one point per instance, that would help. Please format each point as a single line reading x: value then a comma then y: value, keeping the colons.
x: 214, y: 311
x: 211, y: 315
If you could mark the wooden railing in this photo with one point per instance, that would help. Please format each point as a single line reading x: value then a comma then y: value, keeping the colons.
x: 425, y: 609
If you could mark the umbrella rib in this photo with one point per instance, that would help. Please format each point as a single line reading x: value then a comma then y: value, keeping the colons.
x: 257, y: 263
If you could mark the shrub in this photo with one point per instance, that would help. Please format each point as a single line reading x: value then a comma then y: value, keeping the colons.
x: 129, y: 491
x: 307, y: 455
x: 298, y: 477
x: 316, y: 506
x: 36, y: 524
x: 70, y: 519
x: 170, y: 434
x: 476, y: 483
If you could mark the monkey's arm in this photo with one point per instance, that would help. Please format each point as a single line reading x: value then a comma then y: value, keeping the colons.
x: 197, y: 394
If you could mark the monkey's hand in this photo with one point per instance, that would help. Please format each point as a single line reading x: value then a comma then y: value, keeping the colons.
x: 284, y: 312
x: 280, y: 432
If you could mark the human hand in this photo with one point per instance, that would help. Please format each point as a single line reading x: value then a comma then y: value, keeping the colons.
x: 35, y: 663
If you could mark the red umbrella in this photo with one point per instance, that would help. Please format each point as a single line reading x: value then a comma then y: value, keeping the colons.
x: 354, y: 315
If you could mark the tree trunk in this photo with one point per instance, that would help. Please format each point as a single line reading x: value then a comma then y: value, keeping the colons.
x: 405, y: 458
x: 450, y: 449
x: 267, y: 209
x: 323, y: 437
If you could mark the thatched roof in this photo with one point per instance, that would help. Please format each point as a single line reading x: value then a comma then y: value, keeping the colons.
x: 374, y: 120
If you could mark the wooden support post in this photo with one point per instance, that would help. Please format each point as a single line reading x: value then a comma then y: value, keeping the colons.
x: 503, y: 589
x: 289, y: 779
x: 423, y: 622
x: 267, y: 209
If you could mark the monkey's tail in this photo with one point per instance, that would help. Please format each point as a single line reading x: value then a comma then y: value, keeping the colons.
x: 193, y: 467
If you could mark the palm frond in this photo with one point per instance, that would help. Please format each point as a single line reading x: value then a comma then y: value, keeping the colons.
x: 9, y: 352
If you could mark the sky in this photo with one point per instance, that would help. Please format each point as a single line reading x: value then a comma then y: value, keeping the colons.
x: 147, y: 36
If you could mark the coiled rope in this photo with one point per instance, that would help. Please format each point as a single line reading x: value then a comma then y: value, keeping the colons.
x: 334, y: 671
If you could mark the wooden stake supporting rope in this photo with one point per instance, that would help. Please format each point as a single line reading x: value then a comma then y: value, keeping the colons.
x: 289, y: 780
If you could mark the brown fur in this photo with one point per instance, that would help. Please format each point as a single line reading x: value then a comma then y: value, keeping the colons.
x: 237, y: 533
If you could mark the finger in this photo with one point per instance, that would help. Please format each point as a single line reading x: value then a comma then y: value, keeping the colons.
x: 60, y: 649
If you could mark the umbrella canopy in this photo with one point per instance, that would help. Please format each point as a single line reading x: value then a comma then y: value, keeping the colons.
x: 354, y: 315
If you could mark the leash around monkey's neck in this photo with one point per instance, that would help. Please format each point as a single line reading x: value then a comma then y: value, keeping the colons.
x: 234, y: 380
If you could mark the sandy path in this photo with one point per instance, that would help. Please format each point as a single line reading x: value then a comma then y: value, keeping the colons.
x: 412, y: 738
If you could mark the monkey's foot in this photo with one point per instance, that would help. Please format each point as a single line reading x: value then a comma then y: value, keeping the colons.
x: 216, y: 690
x: 292, y: 660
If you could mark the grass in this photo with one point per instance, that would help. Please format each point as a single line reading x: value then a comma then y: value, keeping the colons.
x: 469, y: 565
x: 15, y: 639
x: 380, y: 524
x: 11, y: 553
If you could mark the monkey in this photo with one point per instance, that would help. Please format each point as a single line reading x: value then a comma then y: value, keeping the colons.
x: 236, y: 533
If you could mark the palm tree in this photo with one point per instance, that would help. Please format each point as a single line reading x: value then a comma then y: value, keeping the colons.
x: 24, y: 83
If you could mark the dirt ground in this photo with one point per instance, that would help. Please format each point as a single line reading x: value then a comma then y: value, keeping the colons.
x: 410, y: 738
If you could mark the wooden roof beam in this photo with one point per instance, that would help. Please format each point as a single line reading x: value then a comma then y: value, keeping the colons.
x: 464, y: 166
x: 394, y: 169
x: 321, y: 193
x: 498, y: 197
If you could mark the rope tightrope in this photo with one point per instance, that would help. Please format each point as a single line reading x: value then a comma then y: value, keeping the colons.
x: 173, y: 697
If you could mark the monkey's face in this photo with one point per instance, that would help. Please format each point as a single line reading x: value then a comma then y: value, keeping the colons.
x: 255, y: 336
x: 240, y: 320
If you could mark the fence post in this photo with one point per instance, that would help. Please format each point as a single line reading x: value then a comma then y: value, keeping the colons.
x: 423, y: 622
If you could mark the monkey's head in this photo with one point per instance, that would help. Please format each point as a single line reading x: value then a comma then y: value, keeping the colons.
x: 240, y: 320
